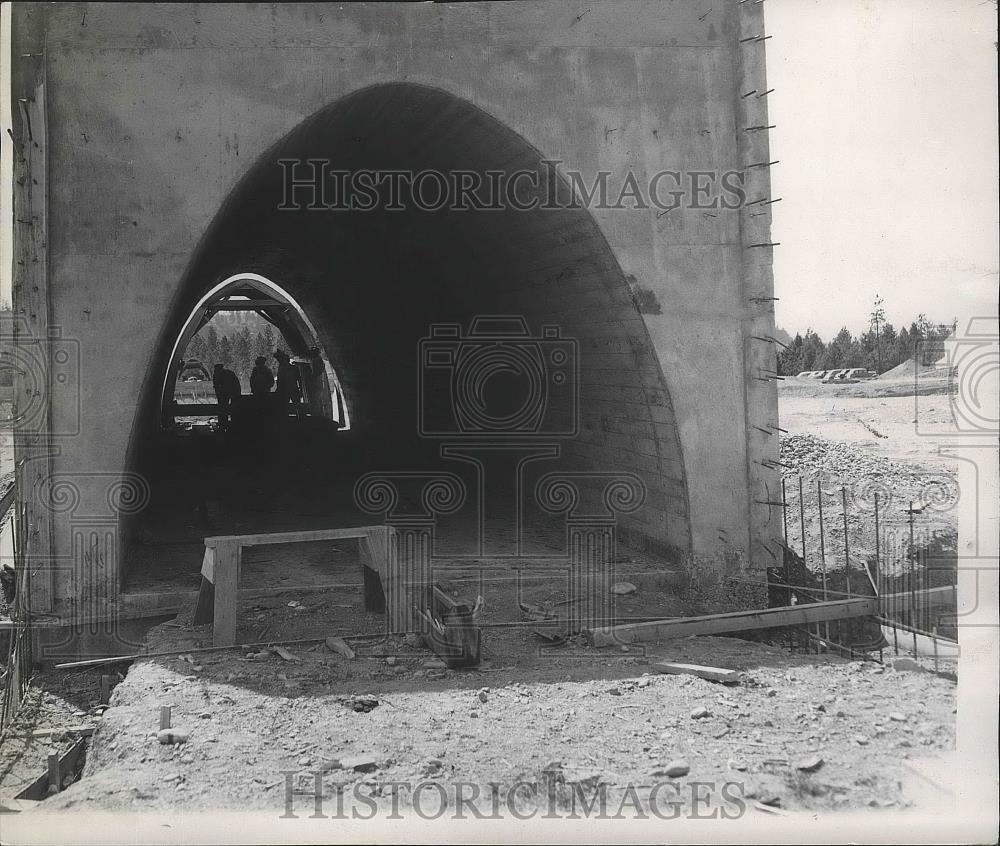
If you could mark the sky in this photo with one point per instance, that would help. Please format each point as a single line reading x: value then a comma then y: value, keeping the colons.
x: 885, y: 115
x: 886, y: 136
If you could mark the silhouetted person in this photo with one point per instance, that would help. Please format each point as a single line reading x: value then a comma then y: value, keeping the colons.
x: 289, y: 386
x: 261, y: 377
x: 261, y: 382
x: 227, y: 389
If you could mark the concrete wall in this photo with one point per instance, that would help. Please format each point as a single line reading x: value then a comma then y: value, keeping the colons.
x: 156, y: 112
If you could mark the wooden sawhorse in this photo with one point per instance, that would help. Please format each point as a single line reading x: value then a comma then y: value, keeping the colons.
x: 220, y: 572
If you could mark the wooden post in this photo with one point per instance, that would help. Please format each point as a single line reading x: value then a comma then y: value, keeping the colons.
x: 55, y: 775
x: 227, y: 576
x: 164, y: 717
x: 32, y: 333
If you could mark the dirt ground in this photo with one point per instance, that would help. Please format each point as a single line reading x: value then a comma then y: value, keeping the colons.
x: 572, y: 716
x: 798, y: 732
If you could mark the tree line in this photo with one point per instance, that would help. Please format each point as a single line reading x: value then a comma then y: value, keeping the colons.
x: 235, y: 350
x: 880, y: 348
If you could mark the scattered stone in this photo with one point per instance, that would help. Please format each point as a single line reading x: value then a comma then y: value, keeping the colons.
x: 361, y: 704
x: 187, y: 759
x: 737, y: 764
x: 903, y: 664
x: 896, y: 717
x: 623, y: 648
x: 483, y: 694
x: 414, y: 641
x: 623, y: 588
x: 390, y: 661
x: 643, y: 682
x: 700, y: 713
x: 675, y: 769
x: 433, y: 664
x: 359, y: 763
x: 169, y: 736
x: 286, y: 655
x: 771, y: 692
x: 339, y: 645
x: 809, y: 764
x: 861, y: 739
x: 305, y: 761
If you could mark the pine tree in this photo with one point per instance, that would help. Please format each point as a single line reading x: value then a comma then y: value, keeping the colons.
x: 211, y: 345
x: 225, y: 352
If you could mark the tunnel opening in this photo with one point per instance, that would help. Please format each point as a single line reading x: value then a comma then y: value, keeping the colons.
x: 239, y: 322
x: 496, y: 350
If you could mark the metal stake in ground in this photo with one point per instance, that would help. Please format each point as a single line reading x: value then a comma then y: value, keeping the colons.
x: 822, y: 545
x: 913, y: 596
x: 883, y: 580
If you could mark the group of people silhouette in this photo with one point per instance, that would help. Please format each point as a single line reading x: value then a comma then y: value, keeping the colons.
x: 267, y: 405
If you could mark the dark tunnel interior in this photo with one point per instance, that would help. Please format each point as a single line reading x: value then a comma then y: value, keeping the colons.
x: 465, y: 341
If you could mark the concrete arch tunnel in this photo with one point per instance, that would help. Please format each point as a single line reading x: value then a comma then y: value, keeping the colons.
x: 373, y: 283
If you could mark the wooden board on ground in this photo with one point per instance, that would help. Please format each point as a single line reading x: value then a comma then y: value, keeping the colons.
x: 716, y: 674
x: 62, y: 766
x: 735, y: 621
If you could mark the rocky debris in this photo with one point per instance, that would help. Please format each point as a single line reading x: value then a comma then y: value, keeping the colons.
x: 360, y: 704
x: 285, y: 655
x: 675, y: 769
x: 169, y: 736
x: 623, y: 588
x: 809, y: 764
x: 434, y: 664
x: 700, y: 713
x: 358, y: 763
x: 339, y: 645
x: 483, y: 694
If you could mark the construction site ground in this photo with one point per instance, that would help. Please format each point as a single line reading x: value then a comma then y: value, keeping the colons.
x: 799, y: 732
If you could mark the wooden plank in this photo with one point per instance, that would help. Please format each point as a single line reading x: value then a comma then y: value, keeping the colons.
x: 83, y: 731
x: 54, y: 772
x: 736, y: 621
x: 711, y: 673
x: 38, y: 789
x: 7, y: 499
x: 208, y: 564
x: 204, y: 611
x: 292, y: 537
x: 227, y: 566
